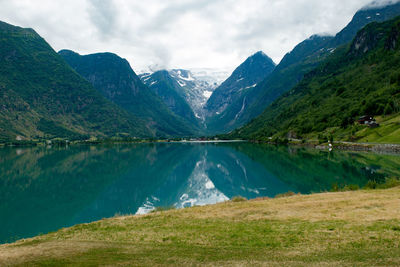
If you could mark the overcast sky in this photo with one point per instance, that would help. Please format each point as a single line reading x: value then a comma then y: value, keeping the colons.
x: 180, y: 33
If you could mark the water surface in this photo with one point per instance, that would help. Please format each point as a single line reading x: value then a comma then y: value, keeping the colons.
x: 45, y: 189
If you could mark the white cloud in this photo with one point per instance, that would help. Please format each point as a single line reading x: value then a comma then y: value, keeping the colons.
x: 380, y: 3
x: 103, y: 14
x: 180, y: 33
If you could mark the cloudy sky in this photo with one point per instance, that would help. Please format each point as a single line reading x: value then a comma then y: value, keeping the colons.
x: 180, y: 33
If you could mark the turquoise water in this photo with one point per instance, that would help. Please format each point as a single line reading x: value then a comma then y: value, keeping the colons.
x: 45, y: 189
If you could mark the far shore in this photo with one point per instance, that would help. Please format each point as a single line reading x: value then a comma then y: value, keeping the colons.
x: 315, y: 144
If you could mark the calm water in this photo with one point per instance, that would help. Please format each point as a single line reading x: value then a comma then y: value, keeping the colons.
x: 42, y: 190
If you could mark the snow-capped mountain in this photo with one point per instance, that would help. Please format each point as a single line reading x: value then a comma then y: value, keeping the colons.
x: 170, y: 90
x: 214, y: 77
x: 195, y: 86
x: 196, y: 91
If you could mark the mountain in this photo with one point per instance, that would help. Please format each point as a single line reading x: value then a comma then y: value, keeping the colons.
x: 213, y: 77
x: 305, y: 57
x: 113, y: 77
x: 195, y: 89
x: 42, y: 97
x: 172, y: 93
x: 232, y: 93
x: 359, y: 79
x: 370, y: 13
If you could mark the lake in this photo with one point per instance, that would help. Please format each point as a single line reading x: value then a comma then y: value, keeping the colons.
x: 45, y: 189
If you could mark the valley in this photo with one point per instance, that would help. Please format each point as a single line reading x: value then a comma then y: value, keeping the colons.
x: 200, y: 133
x: 179, y: 103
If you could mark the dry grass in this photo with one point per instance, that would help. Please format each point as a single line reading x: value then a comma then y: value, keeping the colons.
x: 348, y: 228
x: 367, y: 205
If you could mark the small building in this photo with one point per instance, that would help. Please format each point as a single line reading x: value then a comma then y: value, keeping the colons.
x: 368, y: 120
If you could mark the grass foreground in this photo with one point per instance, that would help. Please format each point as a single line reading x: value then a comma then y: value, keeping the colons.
x: 358, y: 228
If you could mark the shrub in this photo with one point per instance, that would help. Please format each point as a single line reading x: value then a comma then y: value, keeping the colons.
x: 390, y: 183
x: 238, y: 199
x: 371, y: 185
x: 351, y: 187
x: 335, y: 187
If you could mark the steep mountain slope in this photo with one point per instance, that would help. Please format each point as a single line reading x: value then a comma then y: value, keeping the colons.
x: 114, y: 78
x: 232, y: 93
x: 305, y: 57
x: 359, y: 79
x: 41, y: 96
x: 363, y: 17
x: 195, y: 89
x: 171, y: 92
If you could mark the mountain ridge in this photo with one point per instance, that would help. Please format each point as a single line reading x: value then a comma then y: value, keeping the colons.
x: 232, y: 92
x: 306, y: 56
x: 113, y: 76
x: 330, y: 98
x: 51, y: 100
x: 171, y: 92
x: 192, y: 89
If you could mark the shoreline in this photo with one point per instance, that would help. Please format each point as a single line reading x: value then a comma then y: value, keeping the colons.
x: 340, y: 145
x: 362, y: 147
x: 336, y: 145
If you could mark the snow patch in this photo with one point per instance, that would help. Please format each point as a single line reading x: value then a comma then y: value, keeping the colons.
x: 331, y: 50
x: 189, y: 78
x: 214, y: 77
x: 251, y: 86
x: 207, y: 94
x: 182, y: 84
x: 248, y: 87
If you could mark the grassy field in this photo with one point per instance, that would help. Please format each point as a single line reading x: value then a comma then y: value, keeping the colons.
x: 360, y: 228
x: 388, y: 132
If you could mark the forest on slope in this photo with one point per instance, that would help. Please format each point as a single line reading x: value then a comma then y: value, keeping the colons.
x: 362, y: 78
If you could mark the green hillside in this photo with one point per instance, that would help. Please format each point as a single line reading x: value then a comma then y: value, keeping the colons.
x: 114, y: 78
x: 42, y: 97
x: 358, y: 79
x: 305, y: 57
